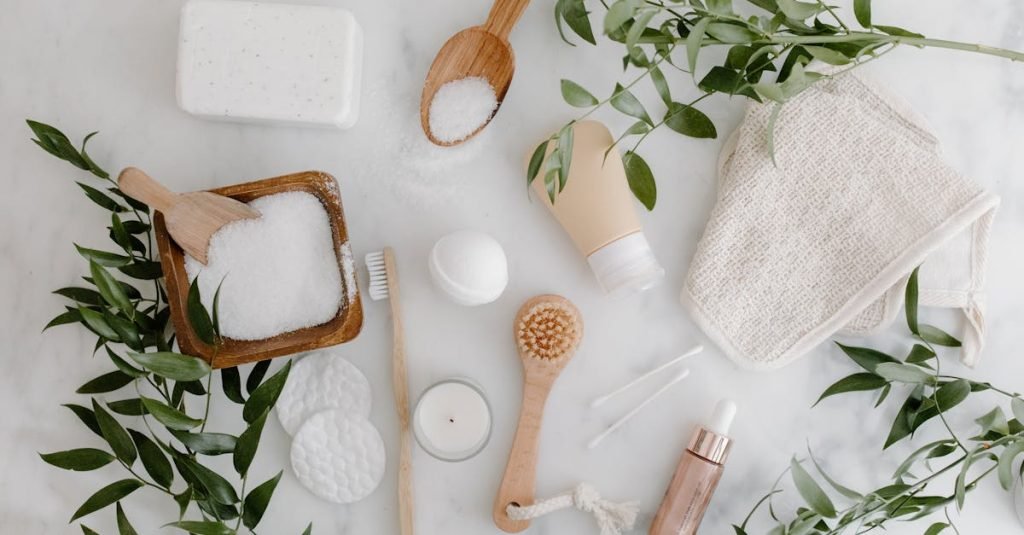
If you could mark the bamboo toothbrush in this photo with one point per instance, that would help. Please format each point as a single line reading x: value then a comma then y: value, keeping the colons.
x: 384, y: 285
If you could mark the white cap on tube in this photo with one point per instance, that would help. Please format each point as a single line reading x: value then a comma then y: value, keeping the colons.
x: 721, y: 418
x: 626, y: 263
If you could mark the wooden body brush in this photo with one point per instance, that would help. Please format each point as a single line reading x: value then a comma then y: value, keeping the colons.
x: 548, y: 328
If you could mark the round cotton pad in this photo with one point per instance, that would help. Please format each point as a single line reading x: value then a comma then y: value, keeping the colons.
x: 338, y: 457
x: 322, y: 381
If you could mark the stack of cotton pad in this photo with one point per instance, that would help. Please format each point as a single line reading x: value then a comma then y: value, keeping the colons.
x: 270, y: 62
x: 336, y: 452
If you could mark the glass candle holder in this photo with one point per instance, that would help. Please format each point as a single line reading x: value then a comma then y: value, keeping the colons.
x: 452, y: 420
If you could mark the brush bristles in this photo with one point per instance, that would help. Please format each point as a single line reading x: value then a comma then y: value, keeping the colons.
x: 378, y: 275
x: 548, y: 331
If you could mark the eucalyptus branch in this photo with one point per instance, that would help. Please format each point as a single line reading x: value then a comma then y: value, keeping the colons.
x: 783, y: 38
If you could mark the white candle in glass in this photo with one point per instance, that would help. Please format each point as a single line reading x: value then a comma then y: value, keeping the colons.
x: 452, y: 420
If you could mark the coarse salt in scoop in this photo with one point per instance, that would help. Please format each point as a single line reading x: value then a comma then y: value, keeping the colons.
x: 461, y: 107
x: 280, y: 272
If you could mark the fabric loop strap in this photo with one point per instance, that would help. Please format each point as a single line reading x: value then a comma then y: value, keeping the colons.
x: 613, y: 518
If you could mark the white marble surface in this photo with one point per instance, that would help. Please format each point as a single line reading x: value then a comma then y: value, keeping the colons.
x: 108, y: 65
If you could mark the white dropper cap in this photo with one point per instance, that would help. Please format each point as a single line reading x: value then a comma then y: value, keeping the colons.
x: 722, y: 417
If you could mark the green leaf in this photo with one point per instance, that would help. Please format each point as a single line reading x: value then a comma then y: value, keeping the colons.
x: 104, y: 258
x: 721, y: 7
x: 937, y: 336
x: 694, y: 41
x: 128, y: 407
x: 857, y: 382
x: 901, y: 423
x: 173, y: 366
x: 641, y: 179
x: 107, y: 496
x: 730, y: 33
x: 827, y: 55
x: 690, y: 121
x: 95, y: 169
x: 919, y: 354
x: 883, y: 394
x: 207, y: 443
x: 625, y: 102
x: 85, y: 296
x: 169, y: 416
x: 256, y: 502
x: 204, y: 527
x: 198, y: 317
x: 248, y: 443
x: 866, y: 358
x: 56, y: 143
x: 536, y: 160
x: 862, y: 10
x: 903, y: 373
x: 811, y: 492
x: 565, y: 146
x: 79, y: 460
x: 908, y: 463
x: 107, y: 382
x: 661, y: 85
x: 126, y: 330
x: 1017, y: 406
x: 841, y: 489
x: 308, y: 530
x: 101, y: 199
x: 951, y: 394
x: 231, y: 383
x: 911, y: 301
x: 1005, y: 467
x: 124, y: 527
x: 798, y: 10
x: 772, y: 120
x: 255, y: 379
x: 86, y: 416
x: 636, y: 29
x: 87, y: 531
x: 121, y: 236
x: 618, y: 13
x: 144, y: 270
x: 114, y: 434
x: 123, y: 365
x: 98, y: 324
x: 995, y: 421
x: 70, y: 316
x: 153, y: 459
x: 936, y: 528
x: 575, y: 95
x: 218, y: 487
x: 264, y: 397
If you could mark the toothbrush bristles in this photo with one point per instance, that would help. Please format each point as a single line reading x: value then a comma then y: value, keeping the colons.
x: 378, y: 275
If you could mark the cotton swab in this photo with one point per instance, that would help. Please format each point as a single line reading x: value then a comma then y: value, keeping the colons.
x: 599, y: 401
x: 611, y: 429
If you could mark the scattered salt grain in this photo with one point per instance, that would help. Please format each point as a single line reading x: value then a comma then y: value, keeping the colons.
x: 461, y: 107
x: 280, y: 271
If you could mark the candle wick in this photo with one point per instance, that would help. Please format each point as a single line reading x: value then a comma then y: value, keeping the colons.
x: 451, y: 420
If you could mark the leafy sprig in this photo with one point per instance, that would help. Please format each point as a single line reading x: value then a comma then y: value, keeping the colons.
x: 928, y: 396
x: 158, y: 434
x: 770, y: 45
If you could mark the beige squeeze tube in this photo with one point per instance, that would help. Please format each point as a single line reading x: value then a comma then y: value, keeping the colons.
x: 597, y: 209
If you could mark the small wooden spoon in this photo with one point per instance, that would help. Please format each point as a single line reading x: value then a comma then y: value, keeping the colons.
x: 479, y: 51
x: 548, y: 329
x: 192, y: 218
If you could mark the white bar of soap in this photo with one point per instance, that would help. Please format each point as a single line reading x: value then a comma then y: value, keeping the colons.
x: 270, y: 63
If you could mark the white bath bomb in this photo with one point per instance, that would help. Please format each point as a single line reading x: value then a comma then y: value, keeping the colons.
x: 469, y: 267
x: 338, y: 456
x: 320, y: 381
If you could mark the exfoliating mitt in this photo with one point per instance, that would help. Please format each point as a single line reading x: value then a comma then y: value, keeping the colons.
x: 823, y: 238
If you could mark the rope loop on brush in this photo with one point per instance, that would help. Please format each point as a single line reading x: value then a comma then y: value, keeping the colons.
x: 613, y: 518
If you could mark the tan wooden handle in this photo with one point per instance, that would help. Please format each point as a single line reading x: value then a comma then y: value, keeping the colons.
x: 142, y: 187
x: 400, y: 386
x: 504, y: 15
x: 519, y: 482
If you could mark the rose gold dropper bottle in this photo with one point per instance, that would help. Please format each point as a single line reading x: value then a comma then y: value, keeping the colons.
x: 696, y: 476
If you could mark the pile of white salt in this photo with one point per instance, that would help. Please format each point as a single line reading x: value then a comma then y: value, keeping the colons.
x: 280, y: 272
x: 461, y: 107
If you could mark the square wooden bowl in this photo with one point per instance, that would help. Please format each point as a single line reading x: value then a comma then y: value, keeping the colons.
x: 344, y: 327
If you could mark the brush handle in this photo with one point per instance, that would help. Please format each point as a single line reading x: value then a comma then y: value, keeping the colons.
x: 401, y: 389
x: 503, y: 16
x: 519, y: 482
x: 143, y: 188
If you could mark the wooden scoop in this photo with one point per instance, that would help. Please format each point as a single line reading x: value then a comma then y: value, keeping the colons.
x: 479, y: 51
x: 548, y: 329
x: 192, y: 218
